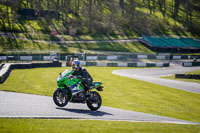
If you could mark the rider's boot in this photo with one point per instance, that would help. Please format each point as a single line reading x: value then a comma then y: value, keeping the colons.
x: 87, y: 94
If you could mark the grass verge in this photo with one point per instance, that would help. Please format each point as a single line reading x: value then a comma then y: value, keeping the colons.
x: 19, y: 44
x: 119, y: 92
x: 194, y: 72
x: 86, y: 126
x: 49, y: 37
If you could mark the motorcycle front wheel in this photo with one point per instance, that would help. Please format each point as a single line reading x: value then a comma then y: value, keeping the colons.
x: 60, y: 99
x: 94, y: 102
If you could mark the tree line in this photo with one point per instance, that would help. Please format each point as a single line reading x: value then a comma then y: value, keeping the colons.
x: 111, y: 16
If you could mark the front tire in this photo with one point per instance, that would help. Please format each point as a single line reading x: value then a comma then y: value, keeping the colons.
x: 94, y: 102
x: 60, y: 99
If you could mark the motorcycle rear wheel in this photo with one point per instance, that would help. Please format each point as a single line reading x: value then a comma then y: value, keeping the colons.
x: 60, y: 99
x: 94, y: 102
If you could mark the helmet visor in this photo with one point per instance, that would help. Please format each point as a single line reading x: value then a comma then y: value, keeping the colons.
x: 75, y: 66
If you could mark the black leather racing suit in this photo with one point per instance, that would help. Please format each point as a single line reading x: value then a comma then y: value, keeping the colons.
x: 85, y: 76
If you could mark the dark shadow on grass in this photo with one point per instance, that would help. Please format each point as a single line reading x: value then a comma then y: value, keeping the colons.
x: 87, y: 112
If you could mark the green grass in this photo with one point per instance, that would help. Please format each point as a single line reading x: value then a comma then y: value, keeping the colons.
x: 118, y: 47
x: 23, y: 45
x: 38, y: 36
x: 119, y: 92
x: 86, y: 126
x: 18, y: 44
x: 194, y: 72
x: 49, y: 37
x: 186, y: 53
x: 187, y: 80
x: 99, y: 37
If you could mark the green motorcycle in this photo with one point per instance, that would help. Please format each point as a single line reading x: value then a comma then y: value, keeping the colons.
x: 71, y: 89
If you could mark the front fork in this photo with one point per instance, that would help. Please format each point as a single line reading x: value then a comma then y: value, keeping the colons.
x: 66, y: 91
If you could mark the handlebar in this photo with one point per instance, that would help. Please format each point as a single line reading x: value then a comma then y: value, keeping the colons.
x: 76, y: 76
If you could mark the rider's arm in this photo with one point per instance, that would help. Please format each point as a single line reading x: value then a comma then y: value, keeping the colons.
x: 74, y: 74
x: 70, y: 73
x: 86, y: 75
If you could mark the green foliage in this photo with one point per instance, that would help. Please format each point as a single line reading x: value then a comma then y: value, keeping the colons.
x: 107, y: 20
x: 119, y: 92
x: 86, y: 126
x: 106, y: 17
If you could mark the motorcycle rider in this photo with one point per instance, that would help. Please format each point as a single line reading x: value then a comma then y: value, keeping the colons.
x: 83, y: 74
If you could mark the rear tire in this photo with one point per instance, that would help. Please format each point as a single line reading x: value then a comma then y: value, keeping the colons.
x: 60, y: 99
x: 95, y: 99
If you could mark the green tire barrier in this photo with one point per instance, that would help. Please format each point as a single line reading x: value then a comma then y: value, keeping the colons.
x: 165, y: 64
x: 102, y: 57
x: 188, y: 76
x: 151, y: 65
x: 132, y: 64
x: 112, y: 64
x: 122, y: 64
x: 91, y: 64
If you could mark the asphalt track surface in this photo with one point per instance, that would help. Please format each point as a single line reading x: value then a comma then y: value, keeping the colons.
x: 19, y: 105
x: 153, y: 75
